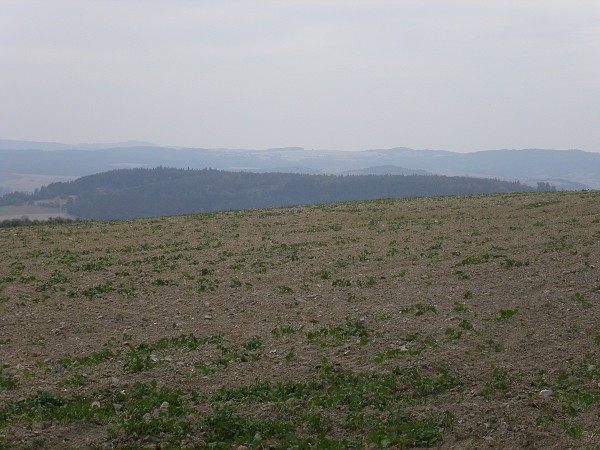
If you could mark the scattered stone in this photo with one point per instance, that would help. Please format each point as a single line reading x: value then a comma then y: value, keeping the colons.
x: 154, y: 358
x: 117, y: 406
x: 114, y: 381
x: 546, y: 393
x: 147, y: 417
x: 207, y: 317
x: 96, y: 404
x: 164, y: 405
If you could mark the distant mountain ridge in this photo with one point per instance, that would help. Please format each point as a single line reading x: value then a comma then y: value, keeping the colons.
x: 10, y: 144
x: 567, y: 169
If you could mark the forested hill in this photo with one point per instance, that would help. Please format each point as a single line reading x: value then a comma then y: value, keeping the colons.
x: 131, y: 193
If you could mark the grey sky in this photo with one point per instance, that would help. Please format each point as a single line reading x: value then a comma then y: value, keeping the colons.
x: 338, y: 74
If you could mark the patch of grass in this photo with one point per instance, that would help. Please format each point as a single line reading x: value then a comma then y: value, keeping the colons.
x: 557, y: 244
x: 164, y: 282
x: 93, y: 291
x: 416, y: 348
x: 452, y: 333
x: 324, y: 274
x: 285, y: 289
x: 504, y: 314
x: 142, y: 357
x: 47, y: 406
x: 254, y: 343
x: 287, y: 329
x: 573, y: 429
x: 336, y: 335
x: 460, y: 307
x: 75, y: 380
x: 7, y: 381
x: 462, y: 275
x: 498, y: 384
x: 92, y: 359
x: 466, y: 325
x: 578, y: 298
x: 509, y: 263
x: 341, y: 282
x: 476, y: 260
x: 419, y: 309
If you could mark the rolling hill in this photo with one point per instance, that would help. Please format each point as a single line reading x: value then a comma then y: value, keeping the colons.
x: 131, y: 193
x: 568, y: 169
x: 447, y: 322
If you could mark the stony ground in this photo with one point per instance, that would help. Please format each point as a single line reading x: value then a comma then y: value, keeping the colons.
x: 466, y: 322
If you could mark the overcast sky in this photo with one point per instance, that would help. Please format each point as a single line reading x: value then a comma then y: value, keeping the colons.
x: 459, y: 75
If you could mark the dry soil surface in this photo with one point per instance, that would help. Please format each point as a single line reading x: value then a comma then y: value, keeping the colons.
x: 449, y: 322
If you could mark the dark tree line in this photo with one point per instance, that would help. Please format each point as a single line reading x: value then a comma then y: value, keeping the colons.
x: 129, y: 193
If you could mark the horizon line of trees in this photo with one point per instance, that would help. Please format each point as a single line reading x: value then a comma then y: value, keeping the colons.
x: 142, y: 192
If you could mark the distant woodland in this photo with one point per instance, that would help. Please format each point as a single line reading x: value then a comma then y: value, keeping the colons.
x: 131, y: 193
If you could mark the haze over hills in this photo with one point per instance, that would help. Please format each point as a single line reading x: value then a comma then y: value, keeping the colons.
x: 10, y: 144
x: 566, y: 169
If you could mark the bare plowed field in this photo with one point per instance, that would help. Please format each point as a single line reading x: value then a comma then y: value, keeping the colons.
x: 455, y: 323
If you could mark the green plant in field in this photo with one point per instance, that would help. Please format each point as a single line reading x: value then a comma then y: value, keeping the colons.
x: 289, y: 356
x: 336, y: 335
x: 75, y: 380
x: 419, y: 309
x: 95, y: 358
x: 143, y: 357
x: 371, y: 407
x: 468, y: 295
x: 38, y: 340
x: 55, y: 279
x: 498, y: 384
x: 207, y: 285
x: 510, y: 263
x: 476, y: 260
x: 578, y: 298
x: 285, y: 289
x: 323, y: 274
x: 287, y: 329
x: 341, y: 283
x: 7, y: 381
x: 452, y: 333
x: 466, y: 325
x: 235, y: 282
x: 460, y: 307
x: 462, y: 275
x: 254, y: 343
x: 410, y: 350
x: 164, y: 282
x: 504, y: 314
x: 494, y: 345
x: 93, y: 291
x: 573, y: 429
x: 204, y: 369
x: 370, y: 282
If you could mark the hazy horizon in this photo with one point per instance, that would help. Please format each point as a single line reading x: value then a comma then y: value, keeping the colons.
x: 335, y: 75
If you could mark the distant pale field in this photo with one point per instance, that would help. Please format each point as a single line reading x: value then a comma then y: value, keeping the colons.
x: 27, y: 182
x: 34, y: 212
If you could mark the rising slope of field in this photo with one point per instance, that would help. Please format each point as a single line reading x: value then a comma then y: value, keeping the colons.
x: 454, y: 322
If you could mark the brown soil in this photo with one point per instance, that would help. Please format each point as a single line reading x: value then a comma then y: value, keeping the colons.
x: 521, y: 270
